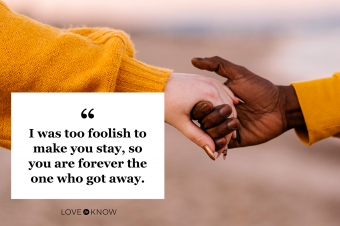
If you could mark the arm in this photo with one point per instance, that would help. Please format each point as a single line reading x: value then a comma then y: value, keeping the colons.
x: 319, y: 101
x: 39, y: 58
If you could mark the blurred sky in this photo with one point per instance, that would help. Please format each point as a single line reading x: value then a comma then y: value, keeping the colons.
x: 217, y: 15
x: 307, y: 31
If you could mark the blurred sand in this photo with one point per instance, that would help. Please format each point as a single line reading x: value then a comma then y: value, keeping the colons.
x: 278, y: 183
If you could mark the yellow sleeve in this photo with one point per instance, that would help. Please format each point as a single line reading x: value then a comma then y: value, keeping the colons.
x: 320, y: 104
x: 35, y: 57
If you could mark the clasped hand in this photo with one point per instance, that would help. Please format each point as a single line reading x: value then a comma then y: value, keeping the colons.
x: 269, y: 110
x: 183, y: 92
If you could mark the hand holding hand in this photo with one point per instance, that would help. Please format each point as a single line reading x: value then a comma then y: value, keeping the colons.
x: 183, y: 92
x: 269, y: 110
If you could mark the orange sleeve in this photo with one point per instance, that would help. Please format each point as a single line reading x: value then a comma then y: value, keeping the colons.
x: 320, y: 104
x: 35, y: 57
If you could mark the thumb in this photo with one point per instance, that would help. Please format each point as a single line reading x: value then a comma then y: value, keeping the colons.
x: 217, y: 64
x: 199, y: 137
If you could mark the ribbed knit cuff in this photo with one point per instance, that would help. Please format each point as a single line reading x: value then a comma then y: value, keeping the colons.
x: 320, y: 105
x: 135, y: 76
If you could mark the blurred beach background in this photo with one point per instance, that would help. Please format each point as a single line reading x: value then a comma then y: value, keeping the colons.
x: 278, y: 183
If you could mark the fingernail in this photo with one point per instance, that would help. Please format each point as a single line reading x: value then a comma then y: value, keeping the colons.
x: 225, y: 111
x: 205, y: 108
x: 232, y: 125
x: 241, y: 101
x: 225, y: 153
x: 208, y: 150
x: 238, y: 138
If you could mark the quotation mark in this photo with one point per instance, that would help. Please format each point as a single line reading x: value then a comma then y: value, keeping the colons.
x: 83, y: 115
x: 86, y: 212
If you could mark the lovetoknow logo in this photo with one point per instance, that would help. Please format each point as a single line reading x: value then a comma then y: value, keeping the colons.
x: 97, y: 212
x: 86, y: 212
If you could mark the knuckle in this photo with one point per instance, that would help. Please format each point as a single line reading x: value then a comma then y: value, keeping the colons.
x: 241, y: 71
x: 241, y: 68
x: 197, y: 139
x: 216, y: 58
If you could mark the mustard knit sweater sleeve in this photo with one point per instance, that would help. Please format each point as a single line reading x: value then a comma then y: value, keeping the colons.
x: 320, y: 104
x: 38, y: 58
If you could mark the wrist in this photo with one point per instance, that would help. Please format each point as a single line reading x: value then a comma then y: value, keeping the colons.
x: 292, y: 110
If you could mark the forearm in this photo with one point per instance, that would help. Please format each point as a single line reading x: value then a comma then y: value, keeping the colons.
x: 39, y: 58
x: 35, y: 57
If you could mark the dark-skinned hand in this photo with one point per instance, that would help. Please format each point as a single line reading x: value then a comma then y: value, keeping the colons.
x: 269, y: 110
